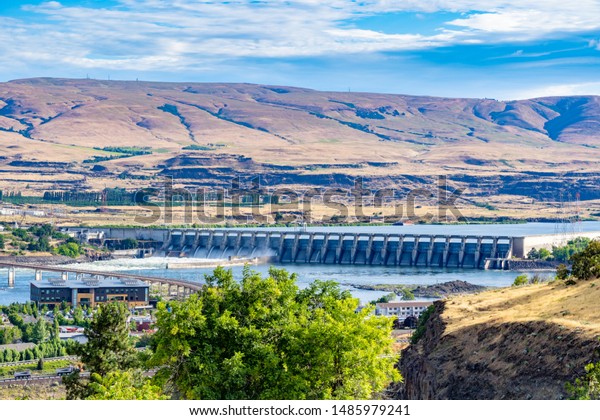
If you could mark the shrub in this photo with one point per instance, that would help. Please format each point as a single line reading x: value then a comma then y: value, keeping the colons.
x: 521, y: 280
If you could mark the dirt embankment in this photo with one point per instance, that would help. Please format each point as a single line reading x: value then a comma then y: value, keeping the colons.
x: 516, y: 343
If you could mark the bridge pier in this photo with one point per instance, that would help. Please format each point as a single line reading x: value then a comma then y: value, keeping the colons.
x: 446, y: 252
x: 11, y: 277
x: 415, y: 252
x: 461, y: 254
x: 384, y: 249
x: 369, y: 250
x: 430, y: 250
x: 38, y: 275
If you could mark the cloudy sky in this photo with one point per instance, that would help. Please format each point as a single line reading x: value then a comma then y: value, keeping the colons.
x: 504, y: 49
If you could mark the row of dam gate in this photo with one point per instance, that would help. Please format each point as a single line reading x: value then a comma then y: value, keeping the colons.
x: 341, y: 248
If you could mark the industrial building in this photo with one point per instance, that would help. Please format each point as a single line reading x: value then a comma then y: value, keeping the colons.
x: 89, y: 291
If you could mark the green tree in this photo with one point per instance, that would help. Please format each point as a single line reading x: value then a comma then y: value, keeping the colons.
x: 71, y: 249
x: 55, y: 331
x: 586, y: 387
x: 263, y: 338
x: 123, y: 385
x: 108, y: 347
x: 40, y: 331
x: 586, y: 263
x: 78, y: 318
x: 2, y: 241
x: 562, y: 272
x: 544, y: 254
x: 107, y: 350
x: 564, y: 253
x: 521, y: 280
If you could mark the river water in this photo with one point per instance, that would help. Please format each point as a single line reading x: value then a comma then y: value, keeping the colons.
x: 344, y: 274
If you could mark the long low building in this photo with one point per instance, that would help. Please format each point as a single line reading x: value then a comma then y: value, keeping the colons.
x: 89, y: 292
x: 402, y: 309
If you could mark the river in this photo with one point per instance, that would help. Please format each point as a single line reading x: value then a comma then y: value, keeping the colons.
x: 344, y: 274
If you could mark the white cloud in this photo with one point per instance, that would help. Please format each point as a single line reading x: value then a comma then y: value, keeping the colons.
x: 592, y: 88
x: 183, y: 34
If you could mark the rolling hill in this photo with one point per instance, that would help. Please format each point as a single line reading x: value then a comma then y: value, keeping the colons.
x: 60, y: 134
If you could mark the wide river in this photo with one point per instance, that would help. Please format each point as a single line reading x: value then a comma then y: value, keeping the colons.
x: 344, y: 274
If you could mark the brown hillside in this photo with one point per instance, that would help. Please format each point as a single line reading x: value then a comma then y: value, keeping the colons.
x: 295, y: 137
x: 514, y: 343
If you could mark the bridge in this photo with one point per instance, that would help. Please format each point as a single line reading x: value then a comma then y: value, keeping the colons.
x: 180, y: 288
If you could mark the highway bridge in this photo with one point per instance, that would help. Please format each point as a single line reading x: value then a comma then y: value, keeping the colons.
x: 181, y: 288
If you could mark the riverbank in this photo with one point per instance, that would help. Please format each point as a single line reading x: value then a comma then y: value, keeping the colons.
x: 43, y: 259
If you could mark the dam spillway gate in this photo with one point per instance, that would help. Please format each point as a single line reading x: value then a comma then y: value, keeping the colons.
x: 341, y: 248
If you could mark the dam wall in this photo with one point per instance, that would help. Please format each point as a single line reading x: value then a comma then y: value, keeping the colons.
x: 353, y: 248
x: 303, y: 247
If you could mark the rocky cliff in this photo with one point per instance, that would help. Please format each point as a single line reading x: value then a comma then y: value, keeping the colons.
x: 497, y: 347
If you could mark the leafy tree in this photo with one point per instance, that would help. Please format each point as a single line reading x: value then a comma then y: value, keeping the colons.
x: 2, y: 242
x: 55, y: 332
x: 123, y: 385
x: 263, y: 338
x: 562, y: 272
x: 71, y: 249
x: 588, y: 386
x: 564, y: 253
x: 407, y: 294
x: 40, y: 364
x: 78, y: 317
x: 422, y: 324
x: 108, y: 349
x: 521, y: 280
x: 533, y: 254
x: 544, y: 254
x: 9, y: 335
x: 384, y: 299
x: 40, y: 331
x: 586, y: 263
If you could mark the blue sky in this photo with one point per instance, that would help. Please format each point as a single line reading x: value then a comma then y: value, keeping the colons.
x: 504, y: 49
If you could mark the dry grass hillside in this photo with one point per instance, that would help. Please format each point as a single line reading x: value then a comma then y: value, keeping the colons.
x: 513, y: 343
x: 53, y: 132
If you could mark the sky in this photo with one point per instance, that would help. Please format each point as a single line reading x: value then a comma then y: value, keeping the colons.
x: 502, y: 49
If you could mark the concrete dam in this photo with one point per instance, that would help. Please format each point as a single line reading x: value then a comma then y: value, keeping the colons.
x: 307, y: 247
x: 341, y: 248
x: 314, y: 247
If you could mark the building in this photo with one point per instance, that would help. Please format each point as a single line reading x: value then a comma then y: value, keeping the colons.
x: 402, y: 309
x: 89, y: 291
